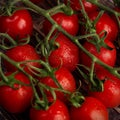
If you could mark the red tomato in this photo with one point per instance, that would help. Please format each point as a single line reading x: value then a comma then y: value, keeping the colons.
x: 105, y: 23
x: 75, y: 5
x: 56, y: 111
x: 22, y: 53
x: 65, y: 79
x: 107, y: 75
x: 68, y: 23
x: 16, y: 100
x: 110, y: 97
x: 91, y: 109
x: 105, y: 55
x: 19, y: 25
x: 67, y: 55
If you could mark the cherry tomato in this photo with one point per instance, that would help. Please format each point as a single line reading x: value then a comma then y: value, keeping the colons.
x: 107, y: 56
x: 56, y: 111
x: 68, y: 23
x: 22, y: 53
x: 110, y: 96
x: 19, y: 25
x: 65, y: 79
x: 91, y: 109
x: 105, y: 23
x: 75, y: 5
x: 67, y: 55
x: 19, y: 99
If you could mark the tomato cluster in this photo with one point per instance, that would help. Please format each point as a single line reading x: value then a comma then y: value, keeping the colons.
x: 66, y: 69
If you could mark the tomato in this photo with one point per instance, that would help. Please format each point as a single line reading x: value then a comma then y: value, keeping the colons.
x: 107, y: 56
x: 19, y: 25
x: 16, y: 100
x: 67, y: 55
x: 65, y: 79
x: 22, y: 53
x: 91, y: 109
x: 107, y: 24
x: 75, y: 5
x: 110, y: 96
x: 56, y: 111
x: 68, y: 23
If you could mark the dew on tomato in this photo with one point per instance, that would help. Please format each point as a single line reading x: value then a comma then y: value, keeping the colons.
x: 57, y: 111
x: 66, y: 55
x: 19, y: 54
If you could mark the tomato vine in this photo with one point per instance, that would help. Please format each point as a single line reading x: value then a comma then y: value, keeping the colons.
x: 76, y: 98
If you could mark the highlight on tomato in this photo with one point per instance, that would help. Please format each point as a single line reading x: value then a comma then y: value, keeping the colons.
x: 90, y: 109
x: 18, y: 25
x: 104, y: 26
x: 110, y: 96
x: 108, y: 56
x: 66, y: 55
x: 69, y: 23
x: 17, y: 99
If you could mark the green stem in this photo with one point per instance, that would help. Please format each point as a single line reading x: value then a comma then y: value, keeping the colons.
x: 16, y: 64
x: 1, y: 71
x: 55, y: 9
x: 5, y: 35
x: 91, y: 74
x: 54, y: 89
x: 73, y: 38
x: 106, y: 8
x: 45, y: 13
x: 95, y: 59
x: 88, y: 22
x: 47, y: 38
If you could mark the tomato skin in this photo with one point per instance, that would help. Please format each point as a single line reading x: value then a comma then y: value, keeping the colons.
x: 16, y: 100
x: 107, y: 24
x: 68, y: 23
x: 110, y: 97
x: 67, y: 55
x: 22, y: 53
x: 75, y: 5
x: 19, y: 25
x: 91, y: 109
x: 105, y: 55
x: 57, y: 111
x: 65, y: 79
x: 107, y: 75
